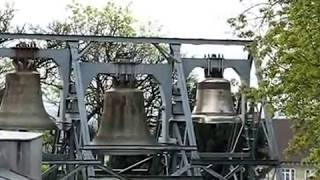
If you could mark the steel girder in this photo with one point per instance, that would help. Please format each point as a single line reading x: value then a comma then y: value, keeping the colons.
x: 183, y: 66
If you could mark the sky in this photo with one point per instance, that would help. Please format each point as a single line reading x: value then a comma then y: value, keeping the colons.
x: 177, y: 18
x: 188, y: 18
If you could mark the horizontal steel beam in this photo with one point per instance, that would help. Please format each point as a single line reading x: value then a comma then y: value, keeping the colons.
x: 223, y: 155
x: 121, y: 39
x: 54, y: 157
x: 139, y: 177
x: 212, y: 156
x: 137, y: 148
x: 73, y: 162
x: 237, y: 162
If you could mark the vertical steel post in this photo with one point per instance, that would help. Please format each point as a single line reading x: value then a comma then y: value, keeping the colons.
x: 84, y: 129
x: 178, y: 66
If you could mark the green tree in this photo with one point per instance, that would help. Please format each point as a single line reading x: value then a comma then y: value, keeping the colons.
x: 110, y: 20
x: 286, y: 47
x: 6, y: 16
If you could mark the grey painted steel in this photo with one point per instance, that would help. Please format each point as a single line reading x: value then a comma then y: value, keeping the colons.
x: 84, y: 72
x: 185, y: 159
x: 108, y: 170
x: 160, y: 72
x: 80, y: 162
x: 227, y: 154
x: 248, y: 162
x: 49, y: 171
x: 189, y: 135
x: 241, y: 66
x: 84, y: 129
x: 85, y: 137
x: 182, y: 170
x: 183, y: 89
x: 135, y: 165
x: 120, y: 39
x: 232, y: 172
x: 213, y: 173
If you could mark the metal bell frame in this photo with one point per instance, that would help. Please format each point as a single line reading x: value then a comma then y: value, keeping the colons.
x: 62, y: 58
x: 185, y: 160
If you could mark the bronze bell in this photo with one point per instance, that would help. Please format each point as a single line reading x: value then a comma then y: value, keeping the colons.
x: 214, y: 102
x: 22, y: 107
x: 123, y: 121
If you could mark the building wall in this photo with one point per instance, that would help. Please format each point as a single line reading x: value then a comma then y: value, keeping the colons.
x: 300, y: 172
x: 23, y: 157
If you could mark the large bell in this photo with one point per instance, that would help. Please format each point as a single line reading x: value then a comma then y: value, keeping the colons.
x: 22, y: 107
x: 214, y: 102
x: 123, y: 121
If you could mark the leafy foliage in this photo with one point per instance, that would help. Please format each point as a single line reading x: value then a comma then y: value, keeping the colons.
x: 6, y: 16
x: 110, y: 20
x: 286, y: 46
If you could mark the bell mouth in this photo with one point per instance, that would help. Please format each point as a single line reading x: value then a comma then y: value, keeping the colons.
x: 120, y: 147
x: 215, y: 118
x: 25, y: 121
x: 100, y: 141
x: 106, y: 143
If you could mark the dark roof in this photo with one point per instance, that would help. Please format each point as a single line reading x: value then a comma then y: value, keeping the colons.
x: 283, y: 134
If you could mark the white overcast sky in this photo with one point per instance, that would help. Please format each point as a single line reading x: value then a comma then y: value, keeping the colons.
x: 178, y: 18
